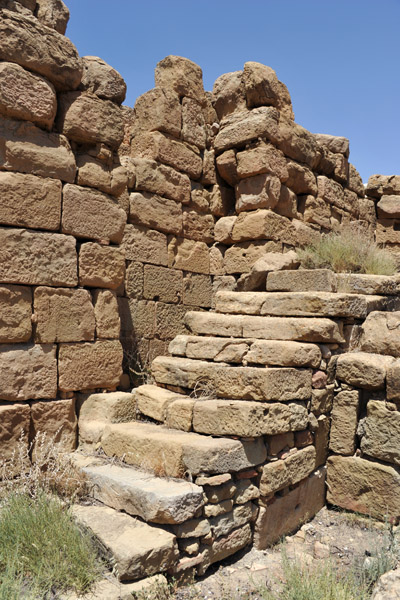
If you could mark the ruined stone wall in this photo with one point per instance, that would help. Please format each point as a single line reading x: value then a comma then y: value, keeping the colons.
x: 61, y: 222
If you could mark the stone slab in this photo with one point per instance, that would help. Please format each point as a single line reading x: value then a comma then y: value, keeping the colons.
x: 101, y: 266
x: 380, y: 333
x: 16, y: 314
x: 344, y: 422
x: 28, y: 372
x: 381, y: 433
x: 364, y: 370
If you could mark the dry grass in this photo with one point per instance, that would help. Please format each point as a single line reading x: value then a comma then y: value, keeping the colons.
x: 350, y: 251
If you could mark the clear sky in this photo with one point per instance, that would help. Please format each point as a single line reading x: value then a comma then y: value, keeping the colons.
x: 339, y: 58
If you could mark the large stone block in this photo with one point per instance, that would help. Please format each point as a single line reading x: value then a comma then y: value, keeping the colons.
x: 158, y: 110
x: 102, y: 80
x: 297, y: 143
x: 16, y: 314
x: 197, y: 290
x: 26, y: 96
x: 263, y: 88
x: 301, y: 179
x: 145, y: 245
x: 198, y: 226
x: 108, y: 323
x: 57, y: 420
x: 189, y: 255
x: 228, y: 417
x: 363, y: 370
x: 259, y: 191
x: 28, y: 372
x: 35, y: 258
x: 182, y: 76
x: 228, y: 94
x: 63, y: 315
x: 40, y: 49
x: 85, y: 118
x: 90, y: 366
x: 14, y: 419
x: 263, y: 158
x: 263, y: 224
x: 363, y: 486
x: 379, y: 185
x: 318, y: 280
x: 344, y: 422
x: 162, y: 284
x: 53, y: 13
x: 358, y: 283
x: 97, y: 410
x: 245, y: 127
x: 193, y: 123
x: 29, y: 201
x: 96, y: 174
x: 28, y: 149
x: 381, y: 433
x: 282, y: 473
x: 285, y: 514
x: 101, y: 266
x: 155, y: 212
x: 169, y: 320
x: 156, y: 178
x: 284, y: 354
x: 225, y: 546
x: 240, y: 258
x: 380, y: 333
x: 92, y: 214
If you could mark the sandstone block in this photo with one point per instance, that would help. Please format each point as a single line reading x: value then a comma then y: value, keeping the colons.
x: 263, y: 158
x: 153, y: 401
x: 106, y: 314
x: 242, y: 383
x: 182, y: 76
x: 189, y: 255
x: 85, y: 118
x: 35, y: 258
x: 214, y: 510
x: 380, y: 185
x: 154, y: 549
x: 228, y: 94
x: 282, y: 473
x: 155, y: 212
x: 156, y: 178
x: 381, y: 433
x: 245, y: 492
x: 26, y: 96
x: 198, y: 227
x: 95, y: 173
x: 322, y: 400
x: 287, y: 203
x: 158, y: 110
x: 63, y: 315
x: 225, y: 546
x: 334, y: 143
x: 262, y: 224
x: 284, y: 418
x: 89, y: 366
x: 317, y: 211
x: 393, y: 381
x: 193, y: 123
x: 28, y: 149
x: 162, y: 284
x: 344, y: 422
x: 197, y: 290
x: 227, y: 167
x: 301, y: 179
x: 57, y: 420
x: 169, y: 320
x: 366, y: 487
x: 223, y: 524
x: 192, y: 529
x: 180, y: 414
x: 363, y: 370
x: 101, y: 266
x: 263, y: 88
x: 40, y: 49
x: 240, y: 258
x: 53, y: 13
x: 380, y: 333
x: 297, y: 143
x: 366, y: 284
x: 28, y: 372
x: 223, y: 229
x: 14, y: 419
x: 245, y: 127
x: 16, y: 314
x: 97, y: 410
x: 101, y: 79
x: 284, y: 354
x: 29, y: 201
x: 387, y: 586
x: 134, y: 280
x: 260, y: 191
x: 387, y: 232
x: 212, y: 348
x: 145, y: 245
x: 225, y: 417
x: 286, y: 513
x: 171, y: 454
x: 319, y: 280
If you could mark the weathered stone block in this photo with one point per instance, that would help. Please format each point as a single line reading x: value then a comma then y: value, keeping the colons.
x: 228, y: 94
x: 16, y: 314
x: 134, y: 280
x: 97, y: 410
x: 156, y: 178
x: 180, y: 414
x: 263, y: 158
x: 381, y: 433
x: 169, y: 320
x: 189, y: 255
x: 89, y: 366
x: 344, y: 422
x: 248, y: 126
x: 301, y: 179
x: 57, y: 420
x: 225, y: 546
x: 193, y: 123
x: 379, y: 185
x: 14, y: 419
x: 260, y: 191
x: 240, y: 258
x: 284, y: 354
x: 156, y: 212
x: 162, y: 284
x: 282, y: 473
x: 263, y: 224
x: 182, y: 76
x: 358, y: 283
x: 197, y: 290
x: 28, y: 372
x: 297, y: 143
x: 102, y: 80
x: 101, y: 266
x: 108, y: 323
x: 35, y: 258
x: 53, y: 13
x: 96, y: 174
x: 319, y: 280
x: 158, y: 110
x: 153, y: 401
x: 380, y: 333
x: 63, y: 315
x: 146, y: 245
x: 228, y: 417
x: 363, y: 370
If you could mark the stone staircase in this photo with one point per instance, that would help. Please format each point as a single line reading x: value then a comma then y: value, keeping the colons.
x: 228, y: 446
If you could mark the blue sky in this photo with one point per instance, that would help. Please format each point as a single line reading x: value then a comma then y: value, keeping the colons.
x: 339, y: 58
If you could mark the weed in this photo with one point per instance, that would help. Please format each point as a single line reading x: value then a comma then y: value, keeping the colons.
x: 350, y: 251
x: 203, y: 390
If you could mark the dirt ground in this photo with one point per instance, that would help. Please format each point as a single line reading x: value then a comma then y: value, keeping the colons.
x: 336, y: 536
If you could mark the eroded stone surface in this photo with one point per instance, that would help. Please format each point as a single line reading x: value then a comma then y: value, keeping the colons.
x: 16, y: 314
x: 29, y: 372
x: 381, y: 433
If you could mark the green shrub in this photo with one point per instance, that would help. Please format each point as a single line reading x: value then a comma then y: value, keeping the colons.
x: 350, y: 251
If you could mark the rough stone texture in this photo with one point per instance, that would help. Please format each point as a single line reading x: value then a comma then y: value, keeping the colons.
x: 197, y: 290
x: 388, y: 207
x: 57, y: 419
x: 366, y: 284
x: 282, y: 473
x: 108, y: 323
x: 344, y: 422
x: 53, y: 13
x: 63, y: 315
x: 158, y: 110
x: 29, y: 201
x: 156, y: 178
x: 101, y: 266
x: 40, y: 49
x: 102, y: 80
x: 388, y: 586
x: 146, y: 245
x: 362, y: 486
x: 26, y: 96
x: 229, y: 417
x: 92, y: 214
x: 154, y: 549
x: 284, y: 354
x: 225, y: 546
x: 228, y: 94
x: 381, y: 333
x: 180, y: 414
x: 106, y: 178
x: 172, y: 453
x: 141, y: 494
x: 83, y: 117
x: 363, y: 370
x: 260, y: 122
x: 182, y: 76
x: 263, y: 88
x: 318, y: 280
x: 280, y: 517
x: 16, y: 314
x: 28, y: 372
x: 263, y: 224
x: 240, y: 258
x: 97, y: 410
x: 189, y: 255
x: 263, y: 158
x: 234, y: 382
x: 153, y: 401
x: 14, y: 419
x: 155, y: 212
x: 260, y: 191
x: 35, y: 258
x: 28, y: 149
x: 379, y: 185
x: 268, y: 262
x: 381, y: 433
x: 89, y: 366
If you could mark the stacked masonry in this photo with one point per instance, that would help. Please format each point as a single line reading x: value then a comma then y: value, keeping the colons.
x: 385, y: 191
x: 247, y: 409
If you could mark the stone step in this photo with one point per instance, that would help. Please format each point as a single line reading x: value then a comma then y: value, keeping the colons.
x: 302, y: 329
x: 140, y: 494
x: 300, y: 304
x: 221, y: 380
x: 173, y: 453
x: 247, y: 351
x: 138, y: 549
